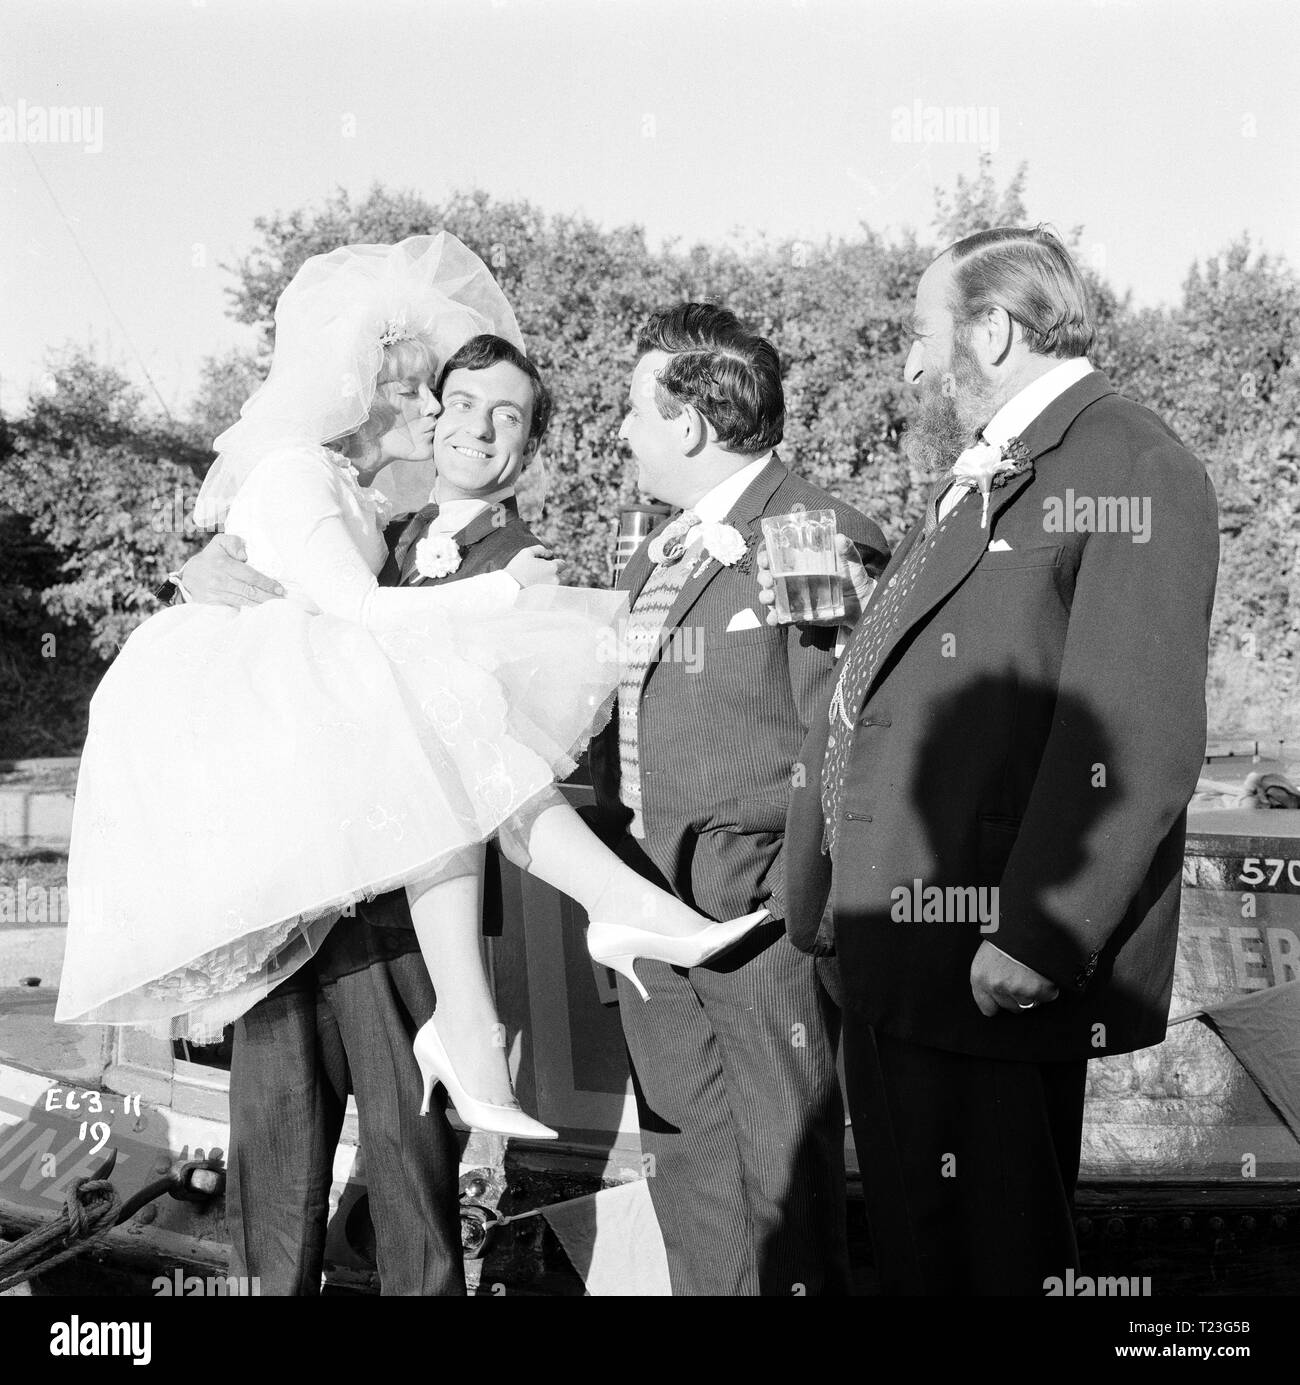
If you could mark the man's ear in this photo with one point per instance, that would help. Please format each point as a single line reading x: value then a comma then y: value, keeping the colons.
x: 998, y: 334
x: 693, y: 430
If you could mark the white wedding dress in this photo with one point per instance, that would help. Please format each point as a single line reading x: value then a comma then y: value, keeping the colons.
x: 249, y: 773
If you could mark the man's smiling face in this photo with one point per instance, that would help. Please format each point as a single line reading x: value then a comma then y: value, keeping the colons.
x: 480, y: 443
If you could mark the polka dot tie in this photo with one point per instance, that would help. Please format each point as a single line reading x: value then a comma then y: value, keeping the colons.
x: 887, y: 611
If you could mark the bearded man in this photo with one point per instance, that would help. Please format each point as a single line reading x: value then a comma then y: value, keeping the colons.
x: 995, y: 789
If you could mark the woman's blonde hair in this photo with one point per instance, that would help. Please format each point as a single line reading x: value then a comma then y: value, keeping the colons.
x: 409, y: 359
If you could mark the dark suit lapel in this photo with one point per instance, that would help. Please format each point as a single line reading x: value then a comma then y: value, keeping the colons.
x: 745, y: 515
x: 487, y: 522
x: 495, y: 517
x: 955, y: 551
x: 400, y: 536
x: 966, y: 540
x: 638, y: 569
x: 1047, y: 430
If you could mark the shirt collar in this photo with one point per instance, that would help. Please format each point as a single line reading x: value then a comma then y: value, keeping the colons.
x: 455, y: 515
x: 1022, y: 409
x: 718, y: 503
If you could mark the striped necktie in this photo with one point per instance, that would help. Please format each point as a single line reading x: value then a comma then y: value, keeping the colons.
x: 642, y: 639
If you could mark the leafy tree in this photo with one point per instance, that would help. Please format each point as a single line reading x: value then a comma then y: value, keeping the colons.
x: 98, y: 493
x: 977, y: 205
x: 225, y: 382
x: 100, y: 490
x: 1220, y: 368
x: 836, y: 312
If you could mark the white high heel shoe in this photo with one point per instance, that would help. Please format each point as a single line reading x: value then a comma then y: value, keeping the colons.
x: 618, y: 945
x: 435, y: 1067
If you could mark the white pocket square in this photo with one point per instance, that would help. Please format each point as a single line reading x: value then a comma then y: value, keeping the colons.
x: 744, y: 620
x: 999, y: 546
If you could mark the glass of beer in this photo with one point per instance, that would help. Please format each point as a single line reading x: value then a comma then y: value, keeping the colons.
x: 805, y: 567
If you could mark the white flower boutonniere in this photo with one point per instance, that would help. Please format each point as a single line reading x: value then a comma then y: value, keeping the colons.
x: 984, y: 466
x: 437, y: 555
x: 720, y: 541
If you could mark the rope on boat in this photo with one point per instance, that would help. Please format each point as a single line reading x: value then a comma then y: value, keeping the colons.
x: 93, y: 1207
x: 90, y: 1210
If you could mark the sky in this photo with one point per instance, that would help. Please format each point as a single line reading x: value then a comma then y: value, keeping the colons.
x: 1165, y: 128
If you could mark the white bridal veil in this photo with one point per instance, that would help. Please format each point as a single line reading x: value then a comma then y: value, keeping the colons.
x: 331, y: 324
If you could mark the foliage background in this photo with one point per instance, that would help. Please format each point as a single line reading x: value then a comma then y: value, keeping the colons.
x: 97, y: 489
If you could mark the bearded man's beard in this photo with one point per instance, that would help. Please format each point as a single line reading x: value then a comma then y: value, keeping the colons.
x: 949, y: 412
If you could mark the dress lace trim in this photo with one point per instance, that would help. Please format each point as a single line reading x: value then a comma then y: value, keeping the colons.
x: 378, y: 506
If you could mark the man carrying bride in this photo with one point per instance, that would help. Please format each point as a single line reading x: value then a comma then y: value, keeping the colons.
x: 300, y: 756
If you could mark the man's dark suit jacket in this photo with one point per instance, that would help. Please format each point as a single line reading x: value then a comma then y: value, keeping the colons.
x: 1039, y: 727
x: 723, y: 714
x: 491, y: 552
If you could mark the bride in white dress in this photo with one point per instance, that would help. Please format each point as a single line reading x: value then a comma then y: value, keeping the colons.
x: 249, y: 773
